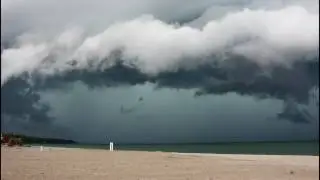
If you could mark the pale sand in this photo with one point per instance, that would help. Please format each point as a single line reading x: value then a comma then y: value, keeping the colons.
x: 62, y: 164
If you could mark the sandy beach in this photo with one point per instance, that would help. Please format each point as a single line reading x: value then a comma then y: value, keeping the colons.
x: 28, y: 163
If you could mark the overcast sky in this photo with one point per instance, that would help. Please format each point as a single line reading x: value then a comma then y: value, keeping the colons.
x: 151, y: 71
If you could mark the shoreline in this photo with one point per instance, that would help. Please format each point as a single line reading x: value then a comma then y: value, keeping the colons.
x: 53, y: 148
x: 106, y: 148
x: 175, y: 153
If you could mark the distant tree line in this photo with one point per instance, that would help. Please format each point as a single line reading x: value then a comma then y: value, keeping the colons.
x: 37, y: 140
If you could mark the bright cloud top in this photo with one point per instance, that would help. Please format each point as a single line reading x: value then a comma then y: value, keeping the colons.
x: 153, y: 46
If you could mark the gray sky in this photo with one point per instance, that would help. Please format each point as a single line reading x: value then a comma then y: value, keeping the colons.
x: 171, y: 116
x: 233, y: 70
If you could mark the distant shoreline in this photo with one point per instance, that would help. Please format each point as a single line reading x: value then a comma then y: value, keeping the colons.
x: 173, y: 153
x: 50, y: 140
x: 206, y: 143
x: 301, y: 147
x: 293, y: 148
x: 37, y: 140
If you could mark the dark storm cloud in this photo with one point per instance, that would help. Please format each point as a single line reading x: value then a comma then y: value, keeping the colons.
x: 281, y: 83
x: 255, y: 52
x: 19, y: 100
x: 295, y: 115
x: 243, y: 77
x: 23, y: 112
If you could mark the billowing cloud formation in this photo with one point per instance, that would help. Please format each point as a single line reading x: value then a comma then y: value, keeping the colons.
x: 29, y: 107
x: 267, y: 51
x: 153, y: 46
x: 22, y: 111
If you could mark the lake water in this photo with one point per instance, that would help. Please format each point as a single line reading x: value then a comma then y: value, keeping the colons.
x: 280, y: 148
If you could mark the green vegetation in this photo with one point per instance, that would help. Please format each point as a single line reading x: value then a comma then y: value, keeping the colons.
x: 38, y: 140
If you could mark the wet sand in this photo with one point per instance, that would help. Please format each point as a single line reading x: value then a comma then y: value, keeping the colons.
x: 29, y: 163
